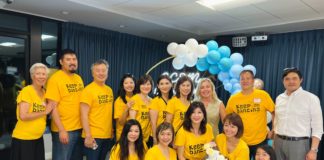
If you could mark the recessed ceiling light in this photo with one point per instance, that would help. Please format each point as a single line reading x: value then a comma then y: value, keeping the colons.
x: 45, y: 36
x: 212, y: 3
x: 8, y: 44
x: 65, y: 12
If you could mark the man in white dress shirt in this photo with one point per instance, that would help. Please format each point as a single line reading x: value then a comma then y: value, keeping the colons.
x: 298, y: 122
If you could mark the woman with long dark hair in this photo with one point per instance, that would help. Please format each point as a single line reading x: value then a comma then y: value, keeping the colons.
x: 159, y: 103
x: 123, y: 103
x: 140, y: 109
x: 194, y: 133
x: 178, y: 105
x: 130, y: 145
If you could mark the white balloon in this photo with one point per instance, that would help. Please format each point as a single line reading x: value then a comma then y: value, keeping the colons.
x: 182, y: 50
x: 190, y: 60
x: 172, y: 48
x: 178, y: 63
x: 201, y: 50
x: 192, y: 44
x: 49, y: 60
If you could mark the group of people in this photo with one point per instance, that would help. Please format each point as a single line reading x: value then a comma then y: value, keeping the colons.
x: 167, y: 127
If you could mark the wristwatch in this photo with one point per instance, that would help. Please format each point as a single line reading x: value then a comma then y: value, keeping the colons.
x: 314, y: 150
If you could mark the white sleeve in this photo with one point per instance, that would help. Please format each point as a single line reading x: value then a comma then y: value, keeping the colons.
x: 316, y: 117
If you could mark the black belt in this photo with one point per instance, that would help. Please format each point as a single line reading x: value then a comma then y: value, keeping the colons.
x: 291, y: 138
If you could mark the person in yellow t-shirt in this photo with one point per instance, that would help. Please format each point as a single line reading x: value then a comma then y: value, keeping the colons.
x: 159, y: 103
x: 229, y: 143
x: 123, y: 103
x: 96, y: 113
x: 252, y: 106
x: 162, y: 151
x: 130, y: 145
x: 27, y: 137
x: 63, y: 93
x: 194, y: 133
x: 140, y: 110
x: 178, y: 105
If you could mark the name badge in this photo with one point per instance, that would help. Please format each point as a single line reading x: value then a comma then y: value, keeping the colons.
x: 257, y: 100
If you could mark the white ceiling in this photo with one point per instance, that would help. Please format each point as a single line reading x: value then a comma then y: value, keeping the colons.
x: 178, y: 20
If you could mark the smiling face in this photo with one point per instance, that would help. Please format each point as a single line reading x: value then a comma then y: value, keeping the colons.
x: 165, y: 137
x: 230, y: 130
x: 133, y: 133
x: 164, y: 86
x: 69, y: 63
x: 206, y: 90
x: 246, y: 81
x: 39, y: 76
x: 146, y: 88
x: 185, y: 89
x: 129, y: 85
x: 100, y: 73
x: 292, y: 82
x: 197, y: 116
x: 261, y: 155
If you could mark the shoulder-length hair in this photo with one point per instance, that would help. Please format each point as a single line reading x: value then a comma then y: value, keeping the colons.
x: 142, y: 80
x: 180, y: 81
x: 121, y: 91
x: 123, y: 141
x: 158, y: 91
x: 187, y: 123
x: 214, y: 94
x: 162, y: 127
x: 235, y: 120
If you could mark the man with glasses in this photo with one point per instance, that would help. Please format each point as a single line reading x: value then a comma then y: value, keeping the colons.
x: 298, y: 117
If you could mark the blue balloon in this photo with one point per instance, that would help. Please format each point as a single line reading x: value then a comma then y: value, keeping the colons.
x: 237, y: 58
x: 228, y: 87
x: 213, y: 69
x: 202, y: 64
x: 223, y: 75
x: 226, y: 81
x: 212, y: 45
x: 236, y: 86
x: 235, y: 70
x: 225, y: 64
x: 224, y: 51
x: 234, y: 80
x: 235, y: 91
x: 251, y: 68
x: 213, y: 57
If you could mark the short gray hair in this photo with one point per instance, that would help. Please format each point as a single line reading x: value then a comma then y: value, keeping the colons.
x: 98, y: 62
x: 38, y: 65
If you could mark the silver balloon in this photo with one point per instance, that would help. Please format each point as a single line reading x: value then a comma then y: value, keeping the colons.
x: 258, y: 83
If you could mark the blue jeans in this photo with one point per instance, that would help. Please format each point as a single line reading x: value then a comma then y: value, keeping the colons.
x: 70, y: 151
x: 104, y: 145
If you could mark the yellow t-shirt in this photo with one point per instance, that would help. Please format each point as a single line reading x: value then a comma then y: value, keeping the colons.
x: 32, y: 129
x: 142, y: 116
x: 253, y: 111
x: 178, y: 109
x: 241, y: 152
x: 114, y: 155
x: 159, y: 105
x: 100, y: 99
x: 66, y: 90
x: 119, y: 109
x: 194, y: 145
x: 155, y: 153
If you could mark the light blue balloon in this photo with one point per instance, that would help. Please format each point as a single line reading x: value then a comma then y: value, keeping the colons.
x: 225, y: 64
x: 212, y: 45
x: 235, y: 70
x: 228, y: 87
x: 234, y: 80
x: 202, y: 64
x: 222, y: 76
x: 226, y: 81
x: 236, y: 86
x: 237, y: 58
x: 213, y: 69
x: 251, y: 68
x: 224, y: 51
x: 213, y: 57
x: 235, y: 91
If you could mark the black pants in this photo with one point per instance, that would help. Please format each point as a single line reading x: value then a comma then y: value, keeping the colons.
x: 254, y: 147
x: 27, y: 149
